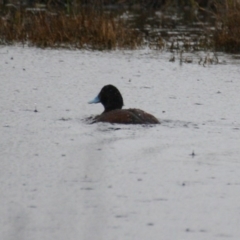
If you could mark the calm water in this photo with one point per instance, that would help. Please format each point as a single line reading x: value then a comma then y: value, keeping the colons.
x: 61, y: 178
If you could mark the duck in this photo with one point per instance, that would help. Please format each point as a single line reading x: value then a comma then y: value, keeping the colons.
x: 112, y: 101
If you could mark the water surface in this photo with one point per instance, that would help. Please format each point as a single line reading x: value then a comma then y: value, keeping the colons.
x: 62, y: 178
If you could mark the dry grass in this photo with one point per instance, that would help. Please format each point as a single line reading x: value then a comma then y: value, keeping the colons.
x: 95, y: 29
x: 227, y: 33
x: 88, y: 29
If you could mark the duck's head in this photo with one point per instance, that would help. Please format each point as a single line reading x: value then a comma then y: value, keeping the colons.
x: 110, y: 97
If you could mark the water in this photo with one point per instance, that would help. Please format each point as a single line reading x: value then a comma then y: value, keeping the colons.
x: 62, y: 178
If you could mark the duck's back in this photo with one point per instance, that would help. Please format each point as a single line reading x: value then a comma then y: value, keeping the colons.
x: 127, y: 116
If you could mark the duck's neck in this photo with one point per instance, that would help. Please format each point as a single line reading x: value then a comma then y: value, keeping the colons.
x: 111, y: 108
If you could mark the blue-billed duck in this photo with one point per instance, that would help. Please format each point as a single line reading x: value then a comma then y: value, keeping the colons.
x: 112, y: 100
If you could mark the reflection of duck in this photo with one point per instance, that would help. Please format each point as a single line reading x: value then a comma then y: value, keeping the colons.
x: 112, y: 100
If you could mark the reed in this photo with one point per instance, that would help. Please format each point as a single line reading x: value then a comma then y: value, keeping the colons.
x: 227, y: 33
x: 94, y: 28
x: 88, y: 29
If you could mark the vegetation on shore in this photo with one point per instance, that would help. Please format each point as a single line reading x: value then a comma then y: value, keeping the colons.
x: 227, y: 32
x: 81, y: 26
x: 87, y: 29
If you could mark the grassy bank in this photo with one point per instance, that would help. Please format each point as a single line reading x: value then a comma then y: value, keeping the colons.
x: 227, y: 33
x: 87, y: 29
x: 95, y: 28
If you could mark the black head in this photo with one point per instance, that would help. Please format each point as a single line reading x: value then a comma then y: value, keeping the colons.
x: 110, y: 97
